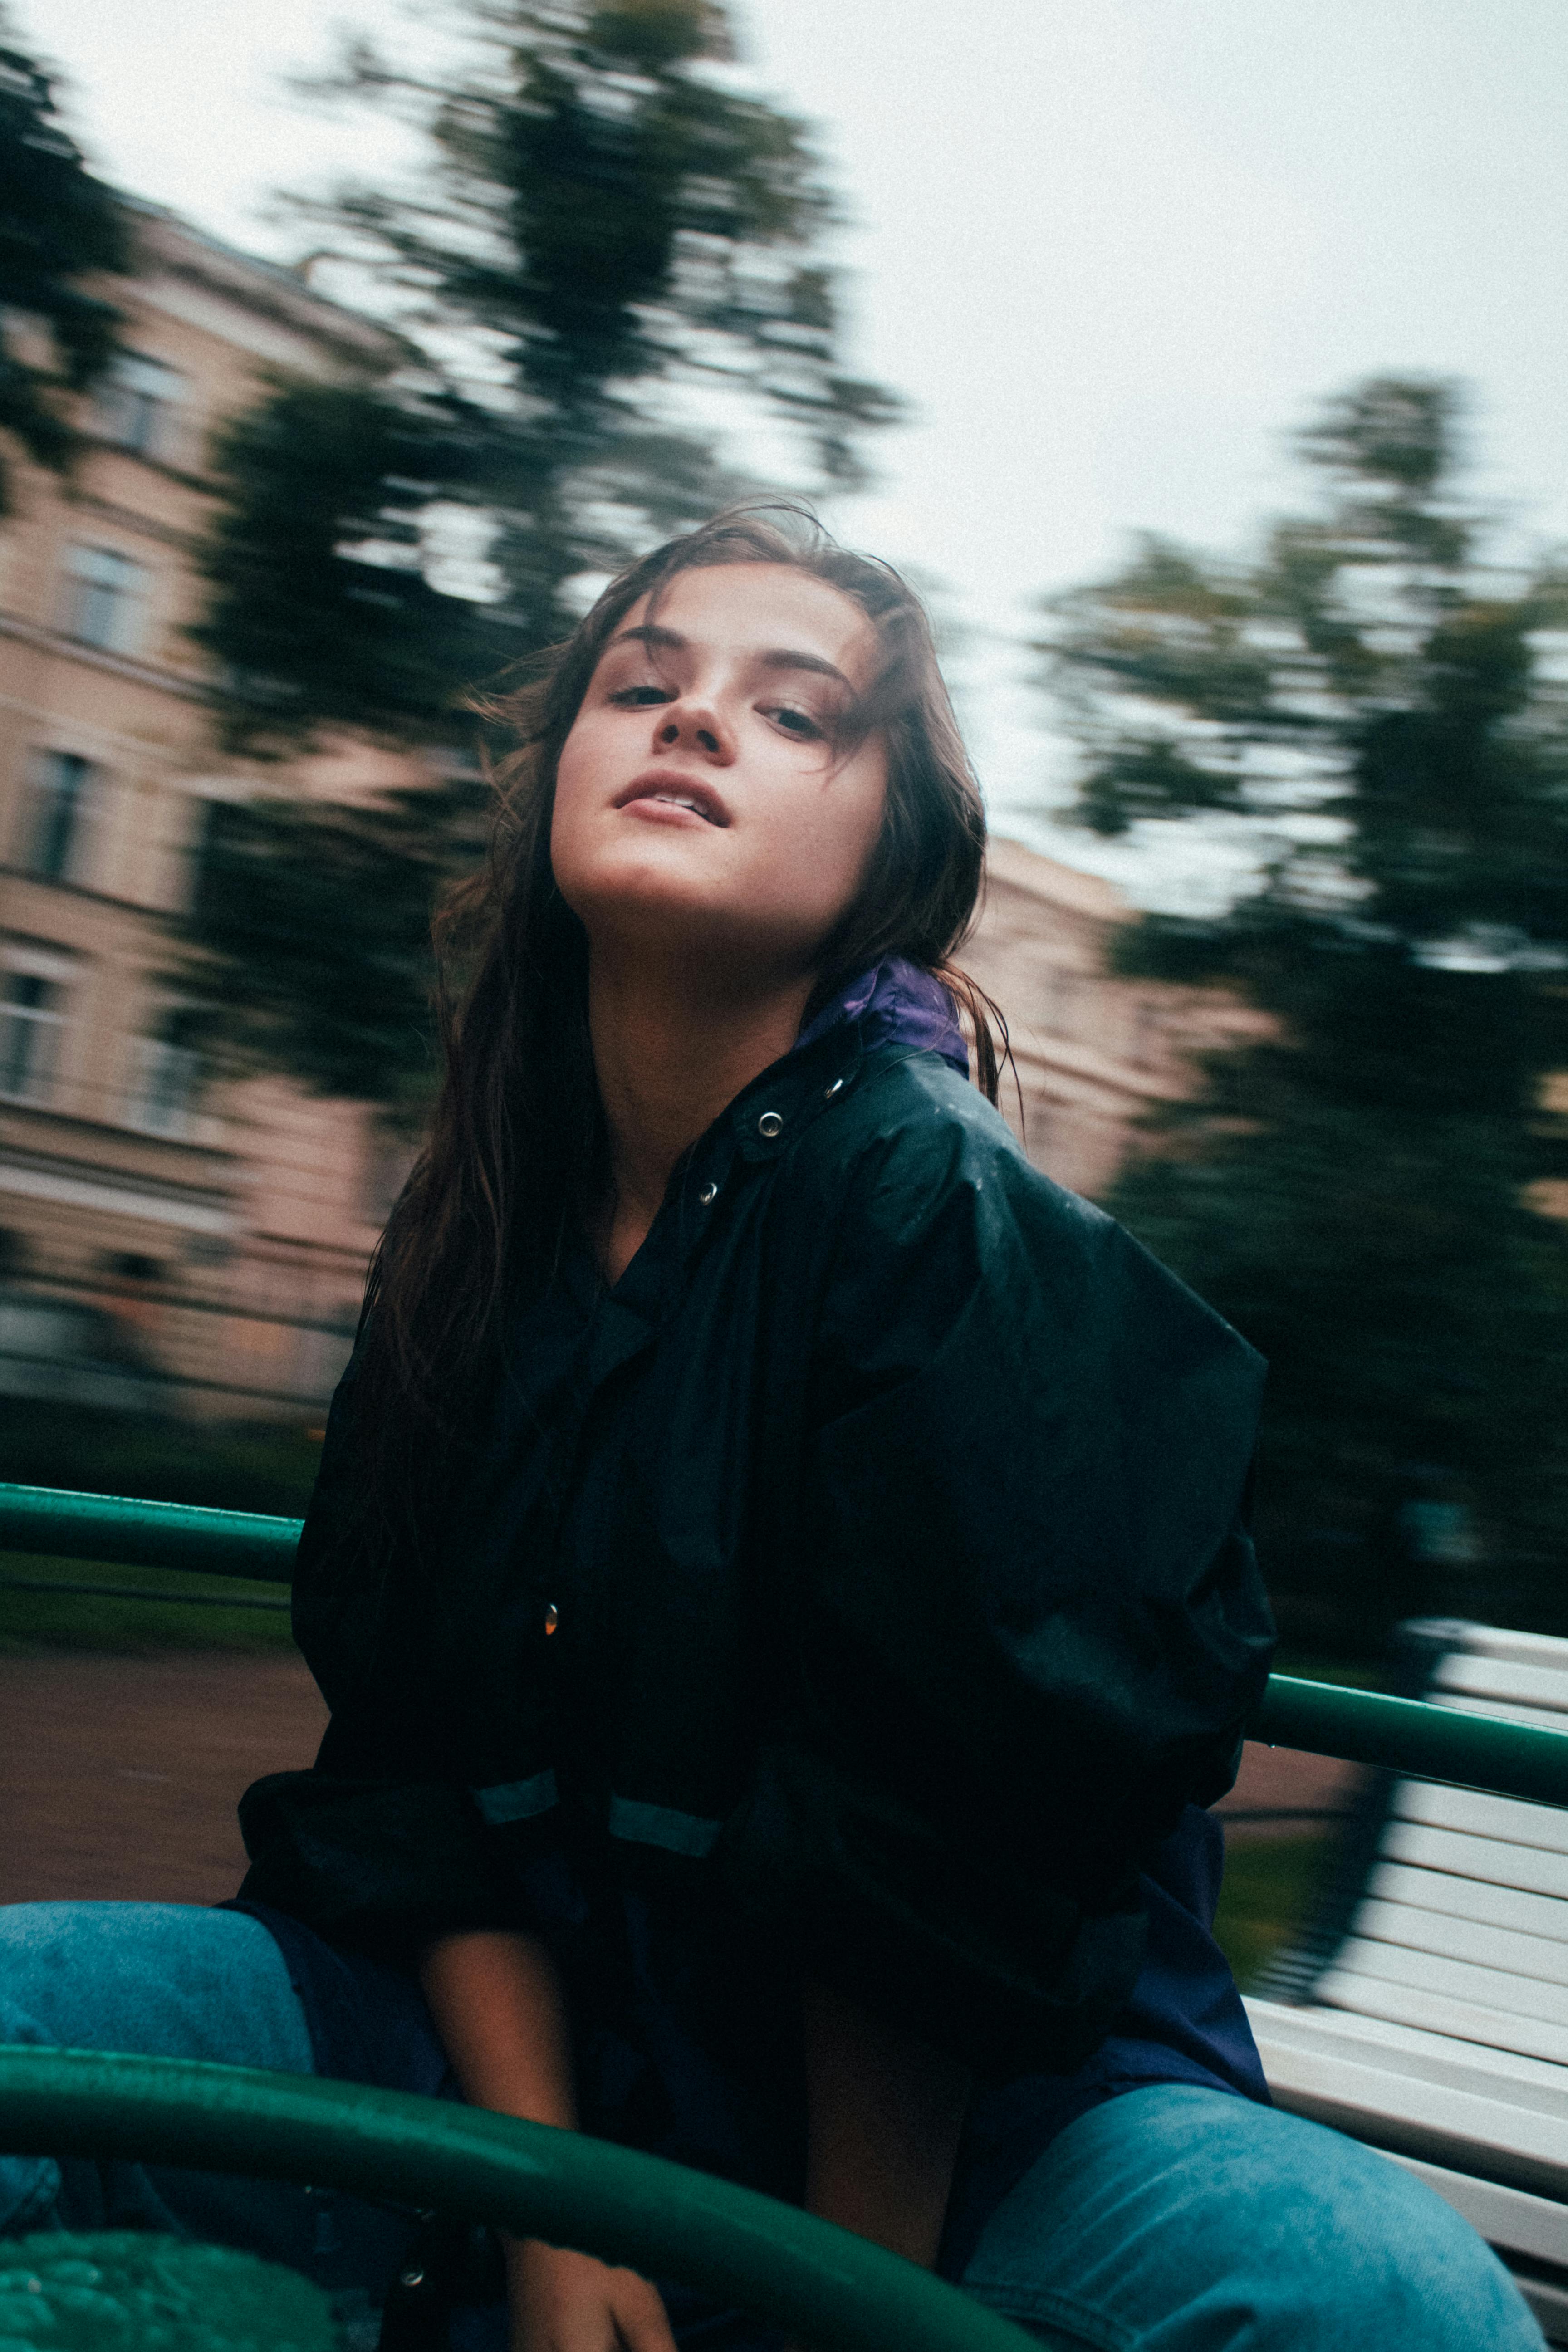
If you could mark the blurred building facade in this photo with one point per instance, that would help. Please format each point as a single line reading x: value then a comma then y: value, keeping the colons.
x: 1094, y: 1054
x: 199, y: 1249
x: 193, y: 1249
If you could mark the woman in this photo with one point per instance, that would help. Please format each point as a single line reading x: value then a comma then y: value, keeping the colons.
x: 779, y: 1573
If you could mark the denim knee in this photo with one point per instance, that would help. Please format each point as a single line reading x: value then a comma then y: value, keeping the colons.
x: 174, y: 1980
x: 1384, y: 2261
x: 1182, y: 2219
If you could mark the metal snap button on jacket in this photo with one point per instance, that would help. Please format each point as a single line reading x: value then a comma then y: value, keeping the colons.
x: 769, y: 1124
x: 552, y: 1617
x: 707, y: 1195
x: 837, y: 1087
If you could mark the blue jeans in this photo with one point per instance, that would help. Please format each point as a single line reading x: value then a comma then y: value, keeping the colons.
x: 1177, y: 2220
x: 1171, y: 2220
x: 179, y: 1982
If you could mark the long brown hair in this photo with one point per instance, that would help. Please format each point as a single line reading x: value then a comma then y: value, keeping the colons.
x: 517, y: 1152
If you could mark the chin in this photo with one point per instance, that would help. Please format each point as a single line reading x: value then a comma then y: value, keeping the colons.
x: 633, y: 892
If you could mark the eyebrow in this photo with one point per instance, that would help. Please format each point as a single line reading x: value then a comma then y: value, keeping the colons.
x: 774, y: 658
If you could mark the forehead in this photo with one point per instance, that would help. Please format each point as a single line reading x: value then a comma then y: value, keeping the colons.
x: 763, y: 607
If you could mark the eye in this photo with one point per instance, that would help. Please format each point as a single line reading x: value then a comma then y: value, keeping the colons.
x: 793, y: 721
x: 642, y: 698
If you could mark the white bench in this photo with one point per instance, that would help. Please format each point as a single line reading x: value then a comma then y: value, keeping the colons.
x: 1427, y: 2011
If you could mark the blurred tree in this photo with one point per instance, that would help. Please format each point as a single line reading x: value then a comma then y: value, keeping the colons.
x: 318, y: 918
x: 612, y: 254
x: 1382, y: 715
x: 611, y: 262
x: 58, y: 226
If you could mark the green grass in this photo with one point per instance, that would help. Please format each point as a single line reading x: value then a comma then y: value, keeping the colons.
x: 1270, y: 1887
x: 230, y: 1465
x: 35, y: 1623
x: 1315, y: 1667
x: 233, y: 1466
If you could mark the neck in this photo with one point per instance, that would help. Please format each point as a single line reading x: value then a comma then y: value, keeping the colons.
x: 671, y: 1048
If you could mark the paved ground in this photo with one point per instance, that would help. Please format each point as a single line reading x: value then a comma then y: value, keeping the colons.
x: 118, y: 1776
x: 1276, y: 1783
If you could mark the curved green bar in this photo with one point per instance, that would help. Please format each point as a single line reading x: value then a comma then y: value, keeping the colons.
x: 837, y: 2291
x: 1436, y: 1743
x: 147, y: 1535
x: 1511, y: 1760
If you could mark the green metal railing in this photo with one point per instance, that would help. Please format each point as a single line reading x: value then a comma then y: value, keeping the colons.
x: 133, y: 1534
x: 819, y: 2282
x: 1436, y: 1743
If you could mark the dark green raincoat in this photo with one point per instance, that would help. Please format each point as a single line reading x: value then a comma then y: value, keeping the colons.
x: 878, y: 1544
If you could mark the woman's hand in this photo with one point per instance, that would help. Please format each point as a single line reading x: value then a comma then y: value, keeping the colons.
x: 564, y: 2302
x: 499, y: 2010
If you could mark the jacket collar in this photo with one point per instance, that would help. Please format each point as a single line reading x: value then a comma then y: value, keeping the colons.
x: 878, y: 1010
x: 768, y: 1114
x: 897, y: 1002
x: 894, y: 1004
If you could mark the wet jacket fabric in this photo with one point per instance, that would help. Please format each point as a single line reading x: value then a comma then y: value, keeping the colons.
x: 868, y: 1569
x: 687, y: 2045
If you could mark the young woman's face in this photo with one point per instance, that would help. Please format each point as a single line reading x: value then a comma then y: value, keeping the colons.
x: 700, y: 801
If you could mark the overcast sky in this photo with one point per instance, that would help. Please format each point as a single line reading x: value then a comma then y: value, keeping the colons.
x: 1111, y: 250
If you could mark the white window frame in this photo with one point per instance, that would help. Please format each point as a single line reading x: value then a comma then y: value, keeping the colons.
x: 167, y: 1078
x: 106, y: 597
x: 42, y: 796
x: 40, y: 1070
x: 139, y: 403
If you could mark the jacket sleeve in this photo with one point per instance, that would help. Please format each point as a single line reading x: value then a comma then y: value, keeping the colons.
x: 379, y: 1843
x: 1020, y: 1622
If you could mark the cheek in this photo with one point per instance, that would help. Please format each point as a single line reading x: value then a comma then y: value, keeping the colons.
x: 566, y: 818
x: 833, y: 849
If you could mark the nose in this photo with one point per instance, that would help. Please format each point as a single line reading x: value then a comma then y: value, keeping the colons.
x: 694, y: 723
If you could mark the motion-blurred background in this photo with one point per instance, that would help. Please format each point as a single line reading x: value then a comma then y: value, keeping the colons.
x: 1206, y: 364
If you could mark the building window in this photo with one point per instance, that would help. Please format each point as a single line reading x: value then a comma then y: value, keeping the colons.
x: 32, y: 1015
x: 132, y: 1265
x: 58, y: 813
x: 206, y: 821
x: 105, y: 593
x: 167, y: 1075
x: 137, y: 405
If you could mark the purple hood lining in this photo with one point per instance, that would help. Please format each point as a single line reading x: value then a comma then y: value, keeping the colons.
x: 899, y: 1004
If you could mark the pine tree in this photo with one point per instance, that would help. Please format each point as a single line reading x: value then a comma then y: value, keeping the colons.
x: 58, y: 226
x: 611, y: 253
x: 307, y: 951
x: 1380, y: 705
x: 611, y: 261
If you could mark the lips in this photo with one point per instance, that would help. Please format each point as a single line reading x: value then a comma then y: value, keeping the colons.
x: 675, y: 791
